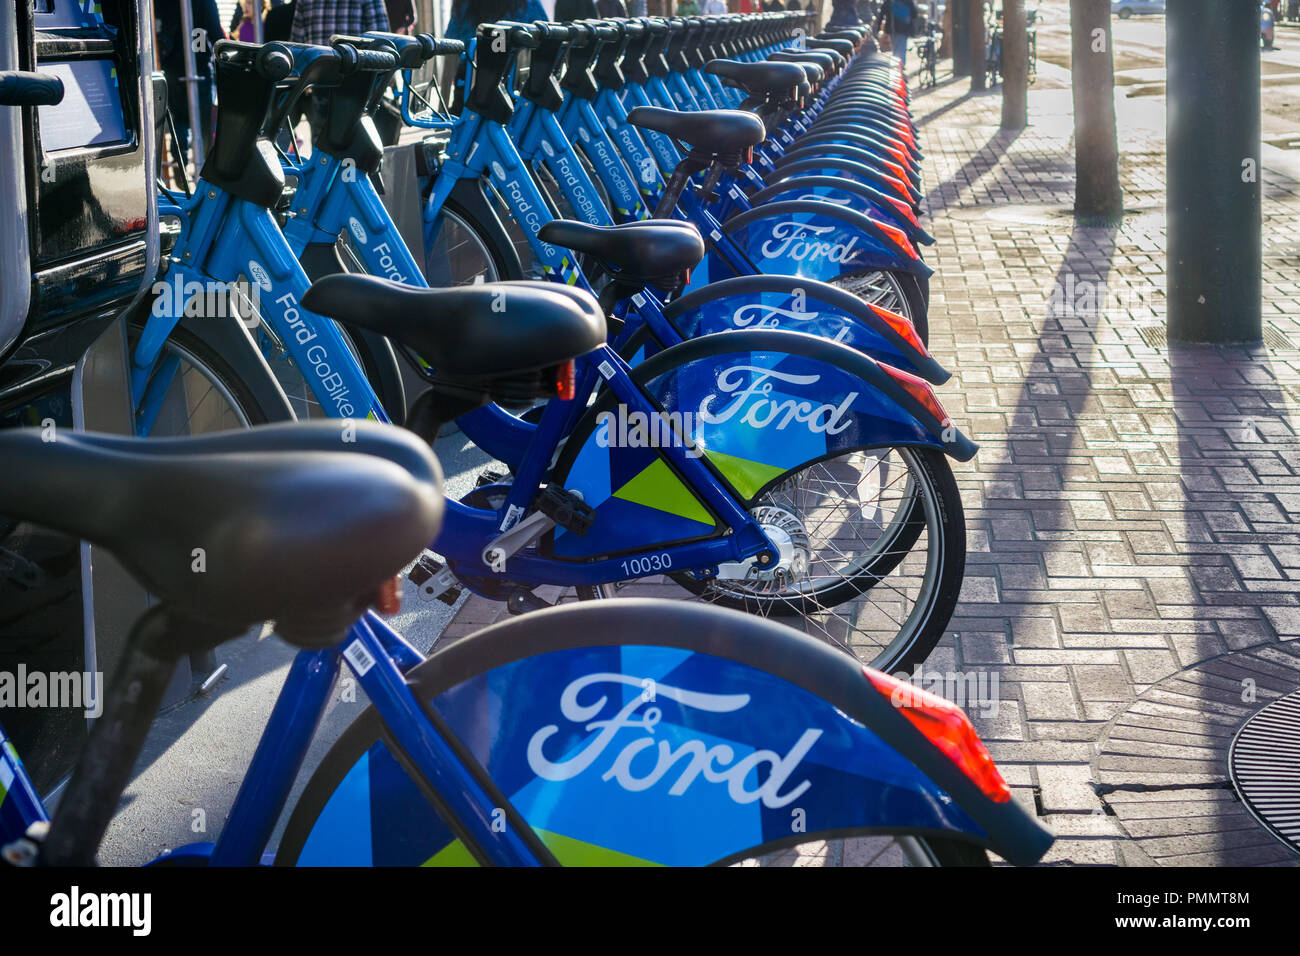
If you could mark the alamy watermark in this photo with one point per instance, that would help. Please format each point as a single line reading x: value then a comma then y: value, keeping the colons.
x: 624, y: 429
x: 972, y: 691
x: 209, y: 299
x: 63, y: 689
x: 1072, y: 297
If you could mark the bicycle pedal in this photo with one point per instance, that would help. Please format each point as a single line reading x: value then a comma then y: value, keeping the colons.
x: 566, y: 509
x: 491, y: 476
x: 522, y: 602
x: 435, y: 580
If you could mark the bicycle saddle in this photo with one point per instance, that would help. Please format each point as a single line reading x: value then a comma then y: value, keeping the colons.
x: 469, y: 334
x: 758, y: 79
x: 718, y: 131
x: 292, y: 523
x: 658, y: 248
x: 806, y: 58
x: 841, y: 46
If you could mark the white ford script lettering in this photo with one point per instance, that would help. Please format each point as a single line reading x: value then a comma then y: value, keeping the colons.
x: 761, y: 411
x: 797, y: 241
x: 716, y: 764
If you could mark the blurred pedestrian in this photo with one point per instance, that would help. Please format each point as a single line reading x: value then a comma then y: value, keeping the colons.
x: 566, y: 10
x: 172, y: 44
x: 243, y: 27
x: 315, y: 21
x: 897, y: 18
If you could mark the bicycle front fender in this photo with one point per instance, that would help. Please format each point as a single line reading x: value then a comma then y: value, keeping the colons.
x: 758, y: 406
x: 804, y: 305
x: 821, y: 240
x: 845, y: 168
x: 660, y: 733
x: 846, y: 192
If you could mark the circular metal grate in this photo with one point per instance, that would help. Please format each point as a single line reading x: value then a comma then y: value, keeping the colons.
x: 1264, y: 761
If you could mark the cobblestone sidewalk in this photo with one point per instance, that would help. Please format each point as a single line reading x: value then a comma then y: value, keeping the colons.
x: 1133, y: 510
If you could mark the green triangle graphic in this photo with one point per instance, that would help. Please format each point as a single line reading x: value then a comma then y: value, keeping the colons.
x: 657, y: 487
x: 745, y: 476
x: 568, y: 851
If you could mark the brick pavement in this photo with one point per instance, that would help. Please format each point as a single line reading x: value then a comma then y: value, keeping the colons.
x: 1132, y: 512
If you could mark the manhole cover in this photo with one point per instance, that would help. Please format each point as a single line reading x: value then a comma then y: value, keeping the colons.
x: 1264, y: 761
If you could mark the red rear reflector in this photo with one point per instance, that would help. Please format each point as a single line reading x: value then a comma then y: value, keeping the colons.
x: 565, y: 381
x: 920, y: 390
x: 903, y: 326
x: 900, y: 237
x: 389, y: 598
x: 945, y: 726
x: 749, y: 155
x: 903, y: 208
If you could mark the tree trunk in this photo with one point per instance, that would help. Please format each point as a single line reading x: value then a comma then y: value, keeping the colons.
x: 945, y: 44
x: 978, y: 54
x: 959, y: 13
x: 1015, y: 65
x: 1092, y: 76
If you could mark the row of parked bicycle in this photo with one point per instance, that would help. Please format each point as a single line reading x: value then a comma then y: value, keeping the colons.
x: 724, y: 384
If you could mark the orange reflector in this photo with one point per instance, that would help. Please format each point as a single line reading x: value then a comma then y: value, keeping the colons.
x: 945, y: 726
x: 903, y: 208
x: 900, y: 237
x: 920, y: 390
x: 903, y: 326
x: 565, y: 381
x: 389, y: 598
x: 749, y: 155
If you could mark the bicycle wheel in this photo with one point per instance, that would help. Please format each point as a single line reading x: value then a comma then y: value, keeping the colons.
x: 461, y: 253
x: 875, y: 851
x: 896, y: 291
x: 205, y: 394
x: 676, y: 672
x: 306, y: 405
x: 872, y: 551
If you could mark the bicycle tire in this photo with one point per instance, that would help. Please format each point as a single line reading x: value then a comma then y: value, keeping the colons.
x: 203, y: 357
x: 907, y: 648
x: 913, y: 296
x: 486, y: 239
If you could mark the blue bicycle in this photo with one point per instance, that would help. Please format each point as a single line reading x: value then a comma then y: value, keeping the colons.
x: 621, y: 733
x: 768, y: 470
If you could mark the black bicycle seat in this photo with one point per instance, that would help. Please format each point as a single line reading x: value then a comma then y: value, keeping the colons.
x: 841, y: 46
x: 820, y: 62
x: 469, y: 334
x: 297, y: 523
x: 758, y: 79
x: 717, y: 131
x: 658, y: 248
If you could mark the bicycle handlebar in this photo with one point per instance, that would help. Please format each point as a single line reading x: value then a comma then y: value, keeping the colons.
x: 22, y: 88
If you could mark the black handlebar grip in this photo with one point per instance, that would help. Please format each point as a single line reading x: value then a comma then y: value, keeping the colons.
x: 274, y: 61
x: 353, y: 60
x: 557, y: 31
x: 21, y: 88
x: 524, y: 37
x: 444, y: 47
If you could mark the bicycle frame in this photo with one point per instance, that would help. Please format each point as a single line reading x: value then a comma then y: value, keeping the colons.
x: 223, y: 233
